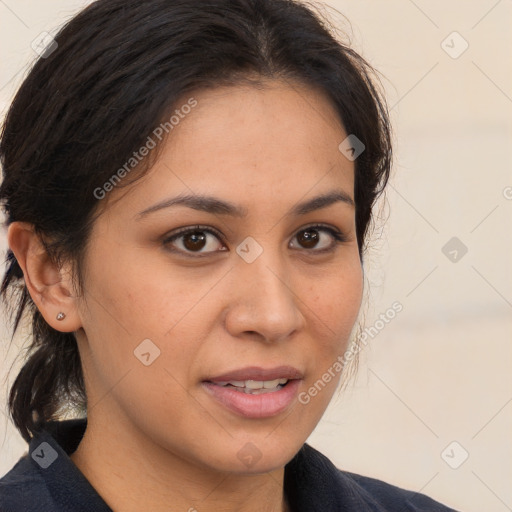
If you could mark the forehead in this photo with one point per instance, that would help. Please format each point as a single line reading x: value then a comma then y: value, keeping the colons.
x: 281, y: 115
x: 252, y: 144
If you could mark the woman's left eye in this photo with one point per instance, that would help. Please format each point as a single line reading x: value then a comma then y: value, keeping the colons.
x: 311, y: 237
x: 199, y: 239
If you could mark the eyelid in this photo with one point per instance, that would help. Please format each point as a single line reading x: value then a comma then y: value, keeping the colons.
x: 189, y: 229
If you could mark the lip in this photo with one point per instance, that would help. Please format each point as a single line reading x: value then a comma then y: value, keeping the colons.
x: 264, y: 405
x: 258, y: 373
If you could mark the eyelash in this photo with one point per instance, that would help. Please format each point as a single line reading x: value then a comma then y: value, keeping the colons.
x: 338, y: 236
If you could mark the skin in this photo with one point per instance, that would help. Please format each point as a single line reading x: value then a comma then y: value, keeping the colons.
x: 154, y: 436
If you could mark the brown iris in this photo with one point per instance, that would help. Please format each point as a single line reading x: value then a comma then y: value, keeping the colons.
x: 194, y: 241
x: 308, y: 238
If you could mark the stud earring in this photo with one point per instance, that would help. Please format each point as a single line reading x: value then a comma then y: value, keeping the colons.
x: 61, y: 316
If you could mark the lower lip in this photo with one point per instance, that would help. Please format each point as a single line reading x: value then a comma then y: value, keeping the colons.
x: 254, y: 406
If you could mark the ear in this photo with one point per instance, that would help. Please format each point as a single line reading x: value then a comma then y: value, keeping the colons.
x: 49, y: 286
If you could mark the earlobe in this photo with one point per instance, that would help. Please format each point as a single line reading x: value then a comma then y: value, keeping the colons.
x: 49, y: 285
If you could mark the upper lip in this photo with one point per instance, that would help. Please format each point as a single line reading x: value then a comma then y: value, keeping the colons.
x: 258, y: 373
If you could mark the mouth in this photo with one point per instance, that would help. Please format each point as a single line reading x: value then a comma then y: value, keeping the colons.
x: 255, y: 392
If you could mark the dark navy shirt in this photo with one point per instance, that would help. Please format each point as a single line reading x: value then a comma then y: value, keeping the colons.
x: 47, y: 480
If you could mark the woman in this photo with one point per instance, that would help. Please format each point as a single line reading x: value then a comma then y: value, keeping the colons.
x: 188, y: 188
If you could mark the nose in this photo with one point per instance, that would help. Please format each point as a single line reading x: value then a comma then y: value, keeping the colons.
x: 265, y: 304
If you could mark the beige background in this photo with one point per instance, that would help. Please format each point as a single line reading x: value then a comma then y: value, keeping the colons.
x: 441, y: 370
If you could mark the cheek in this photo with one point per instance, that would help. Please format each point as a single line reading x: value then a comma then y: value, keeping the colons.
x: 142, y: 343
x: 336, y: 301
x: 334, y: 307
x: 131, y: 300
x: 131, y: 295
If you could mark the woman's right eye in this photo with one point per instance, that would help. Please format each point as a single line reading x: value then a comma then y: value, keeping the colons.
x: 190, y: 241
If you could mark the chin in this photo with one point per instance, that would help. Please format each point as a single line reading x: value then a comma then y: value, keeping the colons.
x: 255, y: 455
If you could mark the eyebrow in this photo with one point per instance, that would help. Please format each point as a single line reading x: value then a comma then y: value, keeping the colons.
x: 217, y: 206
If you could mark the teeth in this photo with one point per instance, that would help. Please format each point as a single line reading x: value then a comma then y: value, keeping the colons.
x: 237, y: 383
x: 268, y: 384
x: 251, y: 385
x: 254, y: 384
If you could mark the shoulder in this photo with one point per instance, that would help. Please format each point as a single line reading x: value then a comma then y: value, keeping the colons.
x: 313, y: 483
x: 389, y: 496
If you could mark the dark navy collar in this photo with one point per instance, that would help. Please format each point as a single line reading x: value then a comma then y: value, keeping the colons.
x: 49, y: 451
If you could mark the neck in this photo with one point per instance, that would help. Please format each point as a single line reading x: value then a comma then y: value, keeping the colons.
x: 132, y: 473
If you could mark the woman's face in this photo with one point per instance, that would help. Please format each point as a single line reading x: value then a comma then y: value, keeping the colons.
x: 257, y: 296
